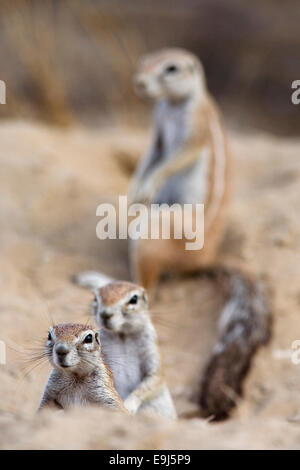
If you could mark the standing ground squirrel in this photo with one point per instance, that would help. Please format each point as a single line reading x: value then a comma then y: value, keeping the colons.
x: 79, y: 375
x: 189, y: 162
x: 129, y: 345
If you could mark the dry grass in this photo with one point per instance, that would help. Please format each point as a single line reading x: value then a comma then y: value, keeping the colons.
x: 73, y: 60
x: 66, y: 57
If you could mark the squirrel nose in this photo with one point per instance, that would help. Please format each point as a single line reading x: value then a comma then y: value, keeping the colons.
x: 140, y: 83
x: 61, y: 349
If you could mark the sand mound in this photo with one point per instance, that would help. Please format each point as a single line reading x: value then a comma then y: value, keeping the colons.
x: 52, y: 182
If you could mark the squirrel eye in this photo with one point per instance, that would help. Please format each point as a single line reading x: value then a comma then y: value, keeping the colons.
x: 88, y: 339
x: 133, y: 300
x: 171, y: 69
x: 49, y: 336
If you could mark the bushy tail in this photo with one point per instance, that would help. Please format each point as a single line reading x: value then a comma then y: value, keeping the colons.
x: 91, y: 279
x: 244, y: 325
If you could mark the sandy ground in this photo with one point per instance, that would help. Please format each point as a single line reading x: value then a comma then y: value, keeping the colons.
x: 52, y: 182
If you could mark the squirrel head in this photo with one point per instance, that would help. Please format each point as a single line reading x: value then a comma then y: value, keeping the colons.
x: 121, y: 307
x: 72, y: 347
x: 172, y: 74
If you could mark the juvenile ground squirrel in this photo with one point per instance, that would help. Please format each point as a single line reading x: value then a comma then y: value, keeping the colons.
x: 129, y: 344
x: 80, y: 375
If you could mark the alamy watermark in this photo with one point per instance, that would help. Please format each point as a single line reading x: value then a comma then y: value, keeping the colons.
x: 295, y: 355
x: 2, y: 92
x: 156, y: 221
x: 296, y: 94
x: 2, y: 353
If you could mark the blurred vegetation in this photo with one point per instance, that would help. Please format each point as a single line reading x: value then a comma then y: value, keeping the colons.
x: 69, y: 61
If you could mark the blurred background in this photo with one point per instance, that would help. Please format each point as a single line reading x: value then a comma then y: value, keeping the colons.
x: 71, y: 134
x: 72, y: 61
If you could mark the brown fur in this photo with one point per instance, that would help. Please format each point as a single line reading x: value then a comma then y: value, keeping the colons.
x: 247, y: 328
x: 151, y: 60
x: 66, y: 331
x: 115, y: 291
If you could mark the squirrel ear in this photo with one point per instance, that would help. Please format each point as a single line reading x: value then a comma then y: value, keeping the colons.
x: 97, y: 338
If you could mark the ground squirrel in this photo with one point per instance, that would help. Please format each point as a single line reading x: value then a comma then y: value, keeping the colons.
x: 189, y: 162
x: 80, y: 375
x: 129, y: 344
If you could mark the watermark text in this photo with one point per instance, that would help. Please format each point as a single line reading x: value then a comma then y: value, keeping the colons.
x: 296, y: 94
x: 2, y: 353
x: 2, y: 92
x: 156, y: 221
